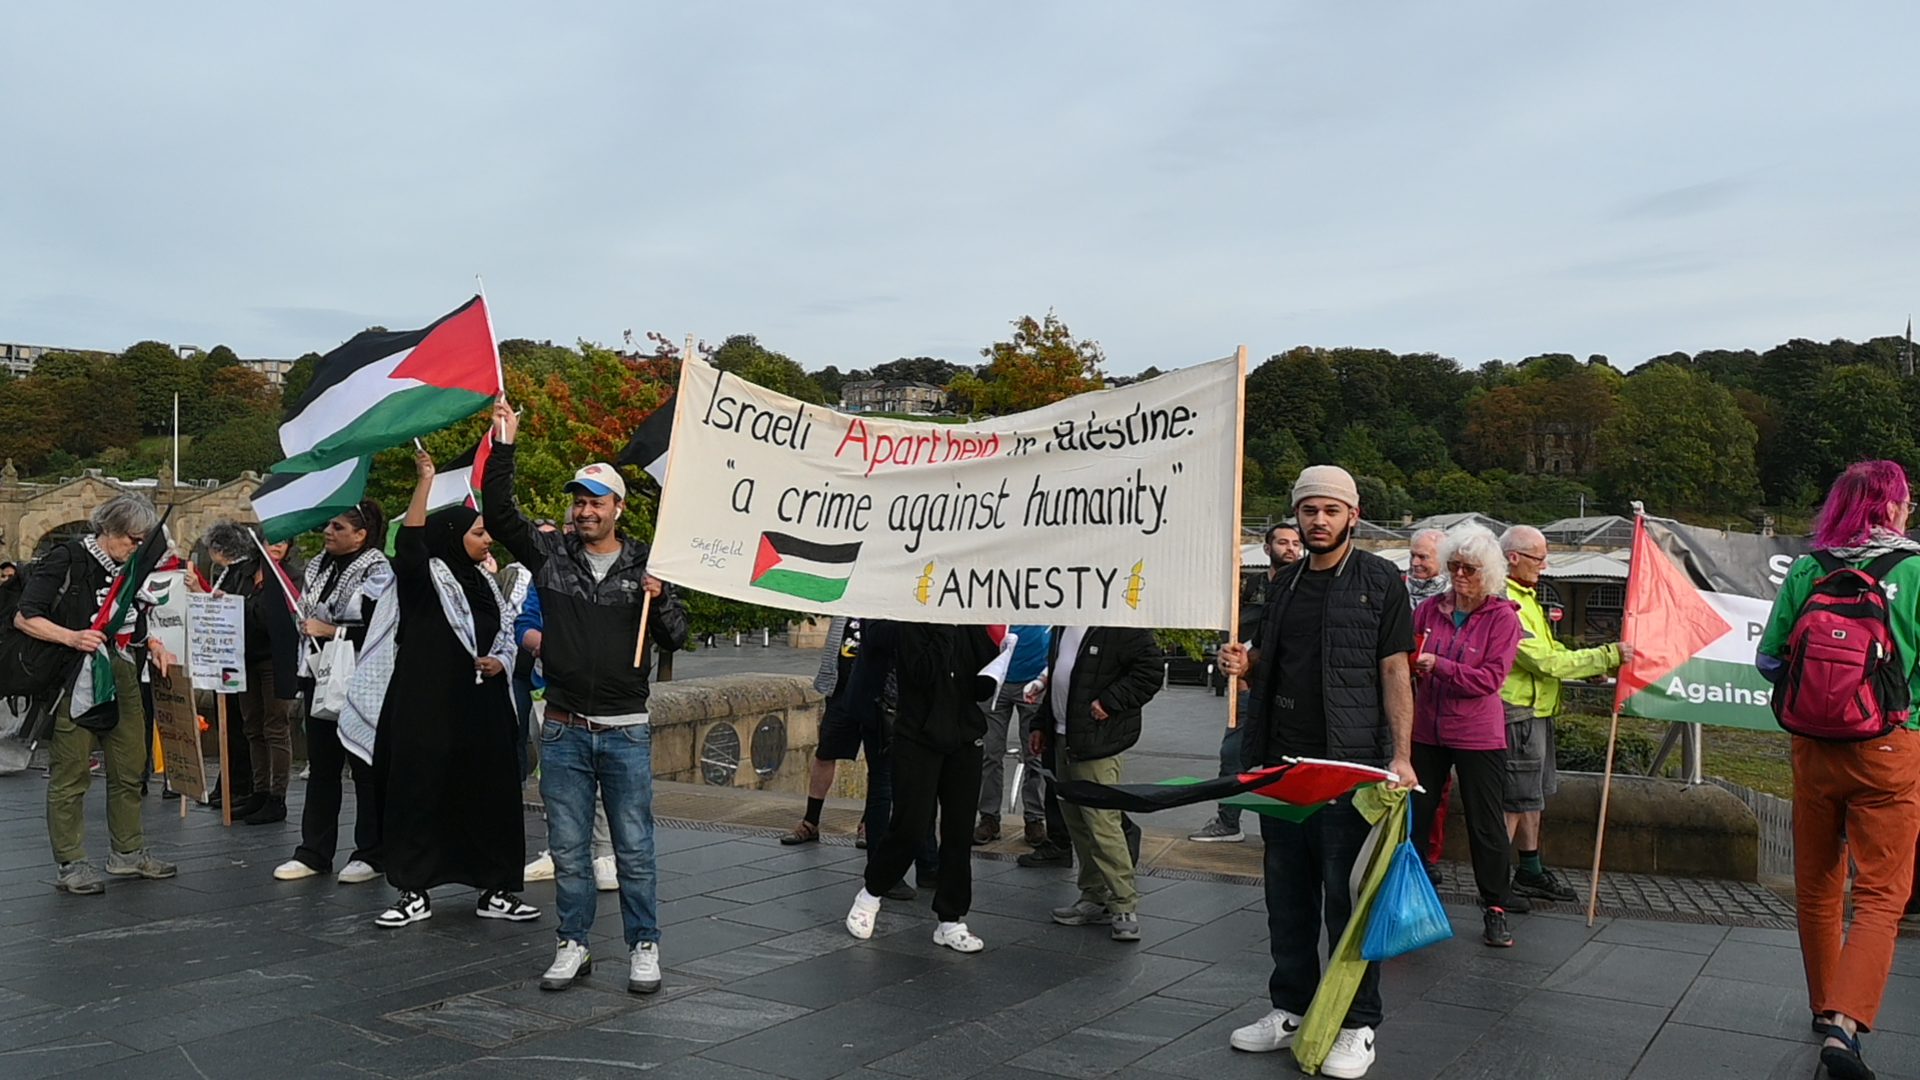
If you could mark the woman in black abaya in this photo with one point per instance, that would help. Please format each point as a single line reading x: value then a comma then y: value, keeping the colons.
x: 444, y: 763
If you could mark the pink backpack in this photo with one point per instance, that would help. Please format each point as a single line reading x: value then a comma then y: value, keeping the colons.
x: 1845, y: 680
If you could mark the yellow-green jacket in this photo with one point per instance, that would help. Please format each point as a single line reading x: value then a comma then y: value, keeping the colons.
x: 1543, y: 661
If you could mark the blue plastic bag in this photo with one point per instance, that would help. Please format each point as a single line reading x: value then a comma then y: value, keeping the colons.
x: 1406, y: 912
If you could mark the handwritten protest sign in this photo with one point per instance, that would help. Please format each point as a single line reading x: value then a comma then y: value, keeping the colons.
x: 216, y: 642
x: 1113, y: 508
x: 179, y: 727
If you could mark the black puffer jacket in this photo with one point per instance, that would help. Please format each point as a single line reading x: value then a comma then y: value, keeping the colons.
x: 1119, y: 668
x: 1357, y: 729
x: 590, y: 626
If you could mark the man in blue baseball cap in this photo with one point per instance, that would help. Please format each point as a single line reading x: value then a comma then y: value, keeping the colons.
x: 594, y: 739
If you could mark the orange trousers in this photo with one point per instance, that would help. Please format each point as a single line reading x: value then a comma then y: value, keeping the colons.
x: 1861, y: 800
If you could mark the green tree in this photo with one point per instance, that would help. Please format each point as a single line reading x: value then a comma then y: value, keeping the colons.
x: 743, y: 355
x: 248, y: 442
x: 153, y: 373
x: 1040, y: 364
x: 925, y: 369
x: 1296, y: 392
x: 1679, y: 441
x: 294, y: 384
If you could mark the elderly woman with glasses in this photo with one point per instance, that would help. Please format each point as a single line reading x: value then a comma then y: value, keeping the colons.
x: 1467, y: 637
x: 337, y: 601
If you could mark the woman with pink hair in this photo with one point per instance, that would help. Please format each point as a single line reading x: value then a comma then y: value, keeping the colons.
x: 1854, y: 797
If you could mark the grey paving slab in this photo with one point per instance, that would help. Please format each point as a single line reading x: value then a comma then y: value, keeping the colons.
x: 1688, y: 1053
x: 1772, y: 1011
x: 1627, y: 973
x: 830, y: 1042
x: 1747, y: 962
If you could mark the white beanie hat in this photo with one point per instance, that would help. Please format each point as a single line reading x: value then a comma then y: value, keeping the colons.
x: 1326, y: 482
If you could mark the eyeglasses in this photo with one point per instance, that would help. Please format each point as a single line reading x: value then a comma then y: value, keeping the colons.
x: 1541, y: 559
x: 1463, y: 569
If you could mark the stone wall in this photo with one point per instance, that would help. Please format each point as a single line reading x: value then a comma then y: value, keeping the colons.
x: 751, y: 730
x: 28, y: 512
x: 1654, y: 826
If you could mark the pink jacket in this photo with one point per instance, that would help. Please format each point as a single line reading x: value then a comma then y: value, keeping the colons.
x: 1459, y: 704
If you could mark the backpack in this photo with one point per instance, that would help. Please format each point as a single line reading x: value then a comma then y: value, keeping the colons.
x: 1845, y: 680
x: 29, y: 666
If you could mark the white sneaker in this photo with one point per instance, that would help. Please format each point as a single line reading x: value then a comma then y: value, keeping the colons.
x: 866, y: 907
x: 1351, y: 1056
x: 643, y: 974
x: 605, y: 875
x: 411, y: 907
x: 541, y: 869
x: 570, y: 961
x: 356, y: 872
x: 505, y: 905
x: 293, y: 870
x: 956, y: 936
x: 1274, y: 1031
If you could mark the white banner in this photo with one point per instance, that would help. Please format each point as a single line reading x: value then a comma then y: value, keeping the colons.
x: 1113, y: 508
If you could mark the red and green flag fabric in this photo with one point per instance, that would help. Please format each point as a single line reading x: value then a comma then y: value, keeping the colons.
x: 115, y: 619
x: 1292, y: 790
x: 382, y: 388
x: 1689, y: 662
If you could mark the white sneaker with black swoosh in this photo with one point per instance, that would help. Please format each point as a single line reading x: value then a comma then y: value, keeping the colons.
x: 1274, y: 1031
x: 1351, y: 1056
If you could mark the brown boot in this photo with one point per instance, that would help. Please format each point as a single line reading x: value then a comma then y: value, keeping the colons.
x: 988, y: 830
x: 804, y: 833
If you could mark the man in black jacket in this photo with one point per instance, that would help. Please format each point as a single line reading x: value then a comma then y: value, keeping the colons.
x: 1098, y: 681
x: 595, y: 739
x: 1330, y: 679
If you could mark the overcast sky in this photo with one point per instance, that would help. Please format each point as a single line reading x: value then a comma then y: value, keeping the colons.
x: 858, y: 181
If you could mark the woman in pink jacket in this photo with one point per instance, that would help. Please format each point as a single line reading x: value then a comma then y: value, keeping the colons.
x: 1468, y: 636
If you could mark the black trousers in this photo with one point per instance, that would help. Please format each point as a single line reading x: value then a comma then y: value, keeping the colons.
x: 1306, y: 868
x: 1057, y: 823
x: 320, y: 819
x: 1483, y: 780
x: 929, y: 783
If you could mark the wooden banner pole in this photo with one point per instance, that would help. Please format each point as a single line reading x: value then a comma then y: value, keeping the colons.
x: 1233, y: 538
x: 226, y: 774
x: 640, y: 643
x: 1600, y: 826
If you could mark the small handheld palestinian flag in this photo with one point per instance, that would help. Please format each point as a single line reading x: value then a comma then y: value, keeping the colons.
x: 1292, y: 790
x: 458, y: 481
x: 116, y: 618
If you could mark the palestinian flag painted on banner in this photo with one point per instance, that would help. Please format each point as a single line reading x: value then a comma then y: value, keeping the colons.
x: 1670, y: 625
x: 803, y: 568
x: 1292, y: 790
x: 381, y: 389
x: 289, y: 504
x: 648, y: 447
x: 115, y: 618
x: 458, y: 481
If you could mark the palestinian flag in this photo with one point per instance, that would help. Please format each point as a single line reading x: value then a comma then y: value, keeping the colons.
x: 803, y: 568
x: 289, y: 504
x: 381, y: 389
x: 115, y: 619
x: 648, y: 447
x: 1668, y: 623
x: 458, y: 481
x: 1292, y: 790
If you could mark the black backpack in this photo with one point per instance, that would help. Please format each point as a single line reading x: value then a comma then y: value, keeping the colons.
x: 29, y: 666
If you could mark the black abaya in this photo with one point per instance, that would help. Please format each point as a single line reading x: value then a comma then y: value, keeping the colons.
x: 444, y: 761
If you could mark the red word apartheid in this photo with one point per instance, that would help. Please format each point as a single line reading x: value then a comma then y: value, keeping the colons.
x: 901, y: 451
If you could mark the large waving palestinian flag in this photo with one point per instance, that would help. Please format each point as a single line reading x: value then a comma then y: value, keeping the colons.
x: 1292, y: 790
x: 289, y: 504
x: 382, y: 388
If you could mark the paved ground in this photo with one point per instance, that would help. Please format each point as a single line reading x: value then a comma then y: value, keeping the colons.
x: 224, y: 972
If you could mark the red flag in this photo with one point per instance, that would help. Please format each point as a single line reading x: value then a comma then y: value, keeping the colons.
x: 1667, y: 620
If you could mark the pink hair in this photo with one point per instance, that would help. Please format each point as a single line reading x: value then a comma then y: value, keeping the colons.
x: 1857, y: 504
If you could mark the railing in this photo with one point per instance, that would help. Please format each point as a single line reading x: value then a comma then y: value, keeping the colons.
x: 1776, y: 827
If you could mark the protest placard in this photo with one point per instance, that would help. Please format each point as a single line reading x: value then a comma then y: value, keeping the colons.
x: 179, y: 727
x: 216, y: 642
x: 1114, y: 508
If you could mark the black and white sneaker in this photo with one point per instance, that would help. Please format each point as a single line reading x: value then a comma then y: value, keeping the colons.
x: 505, y: 905
x: 411, y: 907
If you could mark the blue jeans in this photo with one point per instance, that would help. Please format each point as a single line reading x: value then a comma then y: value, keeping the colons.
x: 1305, y: 873
x: 523, y: 708
x: 618, y: 764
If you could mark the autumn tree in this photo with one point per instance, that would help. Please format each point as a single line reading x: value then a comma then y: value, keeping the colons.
x: 1040, y: 364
